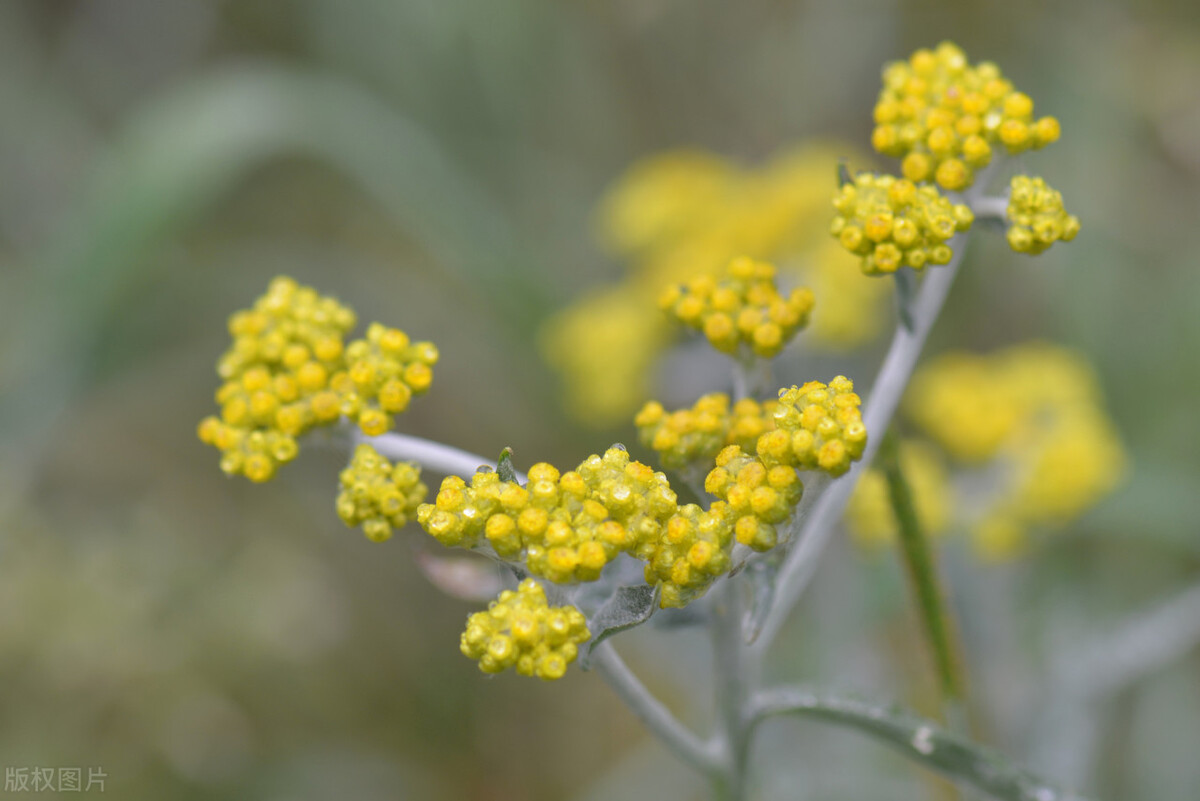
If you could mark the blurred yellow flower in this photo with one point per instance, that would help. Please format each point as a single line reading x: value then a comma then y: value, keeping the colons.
x: 869, y: 515
x: 1035, y: 412
x: 680, y: 214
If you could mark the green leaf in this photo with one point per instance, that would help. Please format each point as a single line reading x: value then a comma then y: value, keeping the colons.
x: 761, y: 573
x: 625, y: 608
x: 843, y: 173
x: 504, y: 466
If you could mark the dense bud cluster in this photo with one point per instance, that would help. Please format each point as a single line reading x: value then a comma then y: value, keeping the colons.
x: 892, y: 223
x: 693, y: 550
x: 695, y: 435
x: 818, y: 427
x: 520, y: 629
x: 289, y: 371
x: 1036, y: 216
x: 944, y: 117
x: 567, y: 526
x: 378, y: 495
x: 758, y: 497
x: 383, y: 372
x: 742, y: 307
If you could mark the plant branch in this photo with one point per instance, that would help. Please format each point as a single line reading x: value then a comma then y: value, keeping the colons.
x: 732, y: 688
x: 652, y: 712
x: 990, y: 206
x: 916, y: 738
x: 800, y: 564
x: 1147, y: 643
x: 433, y: 455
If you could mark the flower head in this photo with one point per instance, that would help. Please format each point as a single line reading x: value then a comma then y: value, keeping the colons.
x: 945, y: 117
x: 692, y: 551
x: 892, y: 223
x: 818, y: 427
x: 378, y: 495
x: 521, y: 630
x: 742, y: 309
x: 289, y: 371
x: 1036, y: 216
x: 1031, y: 416
x: 565, y: 526
x: 694, y: 436
x: 759, y: 497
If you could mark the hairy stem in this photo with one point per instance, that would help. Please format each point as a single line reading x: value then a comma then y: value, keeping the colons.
x: 799, y: 566
x: 733, y: 689
x: 920, y: 740
x: 652, y: 712
x: 920, y: 560
x: 433, y: 455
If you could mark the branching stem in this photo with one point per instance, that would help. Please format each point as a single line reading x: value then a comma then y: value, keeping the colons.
x: 432, y: 455
x: 653, y: 713
x: 920, y: 740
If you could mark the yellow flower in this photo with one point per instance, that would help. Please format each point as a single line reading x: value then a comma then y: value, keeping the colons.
x: 1032, y: 415
x: 742, y: 310
x: 1036, y: 216
x: 521, y: 630
x: 759, y: 497
x: 892, y: 223
x: 693, y: 436
x: 677, y: 215
x: 565, y: 526
x: 604, y: 346
x: 818, y: 427
x: 692, y: 551
x: 945, y: 117
x: 378, y: 495
x: 289, y: 371
x: 382, y: 373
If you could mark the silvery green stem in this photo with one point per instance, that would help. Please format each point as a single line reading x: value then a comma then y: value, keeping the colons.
x: 433, y: 455
x: 993, y: 206
x: 889, y: 386
x: 652, y: 712
x: 1068, y: 729
x: 733, y: 688
x: 918, y: 739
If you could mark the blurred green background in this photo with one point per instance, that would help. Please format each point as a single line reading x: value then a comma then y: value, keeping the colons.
x: 436, y: 165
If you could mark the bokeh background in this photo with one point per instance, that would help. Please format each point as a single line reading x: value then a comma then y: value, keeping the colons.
x: 437, y: 165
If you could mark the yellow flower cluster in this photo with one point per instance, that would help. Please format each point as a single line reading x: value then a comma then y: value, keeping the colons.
x: 1036, y: 216
x: 276, y: 378
x: 696, y: 435
x: 869, y: 515
x: 520, y: 629
x: 378, y: 495
x: 944, y: 117
x: 693, y: 550
x: 568, y: 526
x: 892, y: 223
x: 818, y: 427
x: 383, y: 372
x: 1035, y: 410
x: 741, y: 307
x: 289, y: 371
x: 680, y: 214
x: 758, y: 496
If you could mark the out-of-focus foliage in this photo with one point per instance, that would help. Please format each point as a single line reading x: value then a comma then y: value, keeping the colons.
x: 442, y: 166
